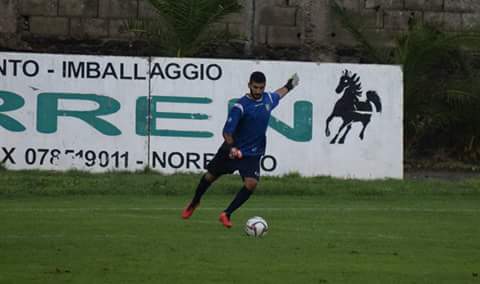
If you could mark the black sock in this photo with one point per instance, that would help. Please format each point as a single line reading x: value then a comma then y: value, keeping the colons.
x: 201, y: 189
x: 239, y: 199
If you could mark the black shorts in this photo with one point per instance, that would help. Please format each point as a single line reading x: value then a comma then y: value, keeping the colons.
x: 248, y: 166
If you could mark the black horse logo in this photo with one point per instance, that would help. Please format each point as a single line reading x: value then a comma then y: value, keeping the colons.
x: 349, y: 107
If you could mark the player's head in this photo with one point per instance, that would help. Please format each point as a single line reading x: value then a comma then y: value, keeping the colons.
x: 257, y: 84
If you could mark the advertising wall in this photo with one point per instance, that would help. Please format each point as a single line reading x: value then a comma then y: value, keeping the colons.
x: 96, y: 113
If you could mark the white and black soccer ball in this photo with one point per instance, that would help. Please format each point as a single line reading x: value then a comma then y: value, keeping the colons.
x: 256, y: 227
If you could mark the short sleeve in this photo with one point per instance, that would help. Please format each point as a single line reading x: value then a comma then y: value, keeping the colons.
x: 234, y: 116
x: 274, y: 99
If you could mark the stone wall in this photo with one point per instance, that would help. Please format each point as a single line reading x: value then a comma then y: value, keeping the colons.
x: 273, y: 29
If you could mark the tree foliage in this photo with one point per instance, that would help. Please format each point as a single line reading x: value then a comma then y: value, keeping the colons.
x: 183, y: 27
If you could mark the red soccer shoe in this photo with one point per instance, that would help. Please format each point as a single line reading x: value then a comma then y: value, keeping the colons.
x: 188, y: 211
x: 225, y: 220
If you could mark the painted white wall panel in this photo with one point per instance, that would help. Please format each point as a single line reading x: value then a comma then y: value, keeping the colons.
x: 189, y: 105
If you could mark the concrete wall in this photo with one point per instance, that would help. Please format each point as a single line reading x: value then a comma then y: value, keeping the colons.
x: 275, y: 29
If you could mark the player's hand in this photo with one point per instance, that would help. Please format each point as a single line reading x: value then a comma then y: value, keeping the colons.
x: 235, y: 153
x: 292, y: 82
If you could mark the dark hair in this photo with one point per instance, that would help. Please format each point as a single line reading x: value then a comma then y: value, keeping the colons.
x: 258, y: 77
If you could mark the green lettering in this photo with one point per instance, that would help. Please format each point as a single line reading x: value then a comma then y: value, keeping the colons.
x: 48, y: 112
x: 143, y: 120
x: 302, y: 123
x: 142, y: 116
x: 10, y: 101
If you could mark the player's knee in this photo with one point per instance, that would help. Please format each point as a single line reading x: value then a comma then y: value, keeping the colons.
x: 250, y: 184
x: 209, y: 177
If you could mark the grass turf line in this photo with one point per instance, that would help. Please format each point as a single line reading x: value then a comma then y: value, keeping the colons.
x: 42, y: 183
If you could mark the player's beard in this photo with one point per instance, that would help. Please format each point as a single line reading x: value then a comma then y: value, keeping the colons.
x: 255, y: 96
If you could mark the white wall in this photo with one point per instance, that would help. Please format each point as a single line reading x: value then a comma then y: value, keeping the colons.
x: 201, y: 89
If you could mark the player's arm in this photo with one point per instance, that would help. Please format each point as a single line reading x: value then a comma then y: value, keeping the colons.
x: 228, y: 139
x: 232, y: 122
x: 291, y: 83
x: 233, y: 152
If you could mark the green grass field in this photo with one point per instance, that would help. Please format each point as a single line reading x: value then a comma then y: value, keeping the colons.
x: 126, y: 228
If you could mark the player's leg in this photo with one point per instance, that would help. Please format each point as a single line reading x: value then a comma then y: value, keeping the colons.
x: 205, y: 182
x: 216, y: 168
x: 250, y: 171
x: 242, y: 196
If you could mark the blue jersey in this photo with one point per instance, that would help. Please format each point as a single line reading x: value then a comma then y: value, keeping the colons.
x: 248, y: 121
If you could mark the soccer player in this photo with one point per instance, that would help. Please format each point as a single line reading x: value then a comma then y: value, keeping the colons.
x: 245, y: 141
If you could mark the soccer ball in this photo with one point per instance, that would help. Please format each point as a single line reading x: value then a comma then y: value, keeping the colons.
x: 256, y: 227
